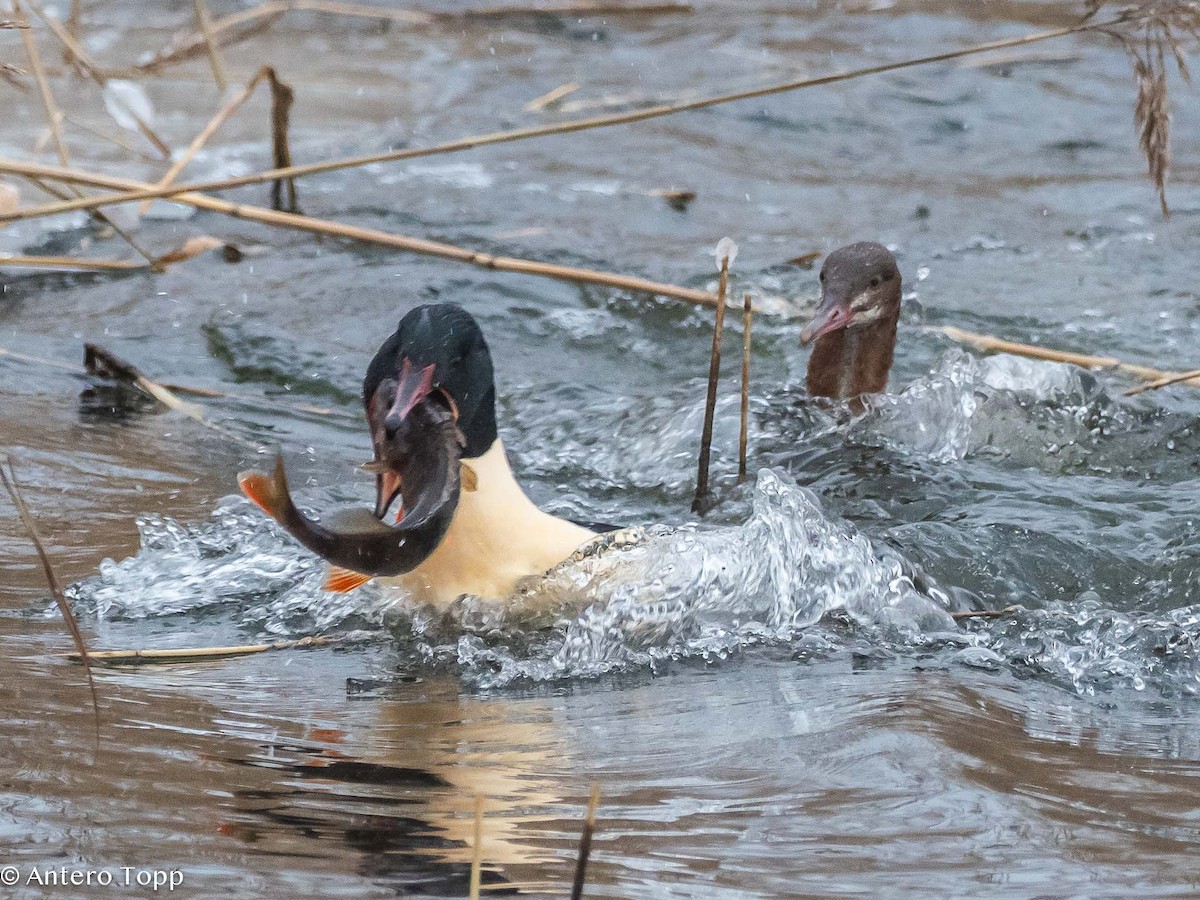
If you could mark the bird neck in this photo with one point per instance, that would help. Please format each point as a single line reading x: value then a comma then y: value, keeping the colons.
x: 496, y: 538
x: 853, y: 361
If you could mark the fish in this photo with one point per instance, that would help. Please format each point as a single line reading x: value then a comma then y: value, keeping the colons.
x: 426, y: 454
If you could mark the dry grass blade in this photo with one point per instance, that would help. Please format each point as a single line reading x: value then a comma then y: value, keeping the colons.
x: 375, y: 236
x: 569, y: 127
x: 1147, y: 32
x: 585, y: 845
x: 9, y: 479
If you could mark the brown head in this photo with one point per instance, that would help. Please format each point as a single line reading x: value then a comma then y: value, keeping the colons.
x: 855, y: 325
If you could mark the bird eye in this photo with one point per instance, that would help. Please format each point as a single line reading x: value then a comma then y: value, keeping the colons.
x: 822, y: 276
x: 875, y: 281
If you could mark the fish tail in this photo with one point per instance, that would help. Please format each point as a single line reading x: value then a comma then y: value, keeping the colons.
x: 266, y: 491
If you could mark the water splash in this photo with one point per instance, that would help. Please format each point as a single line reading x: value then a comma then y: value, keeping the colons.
x: 1031, y: 410
x: 688, y: 592
x: 238, y: 565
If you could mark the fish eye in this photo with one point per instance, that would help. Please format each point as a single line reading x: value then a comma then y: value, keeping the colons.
x: 822, y: 275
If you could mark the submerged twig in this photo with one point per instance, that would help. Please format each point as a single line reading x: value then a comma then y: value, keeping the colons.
x: 104, y: 363
x: 282, y: 98
x: 9, y: 480
x: 375, y: 236
x: 744, y: 432
x: 191, y: 389
x: 189, y: 654
x: 585, y: 844
x: 569, y: 127
x: 726, y: 251
x: 477, y: 849
x: 987, y: 342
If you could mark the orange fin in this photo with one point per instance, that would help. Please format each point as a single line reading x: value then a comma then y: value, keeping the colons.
x: 341, y: 581
x: 259, y: 488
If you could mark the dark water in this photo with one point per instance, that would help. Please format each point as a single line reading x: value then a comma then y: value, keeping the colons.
x: 772, y: 700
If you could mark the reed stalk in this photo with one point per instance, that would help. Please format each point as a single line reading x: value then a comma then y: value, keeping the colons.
x: 710, y: 404
x: 90, y: 68
x: 569, y: 127
x: 215, y: 61
x: 1166, y: 381
x: 744, y: 431
x: 374, y: 236
x: 225, y: 31
x: 219, y: 118
x: 9, y: 481
x: 477, y: 849
x: 989, y: 343
x: 191, y: 654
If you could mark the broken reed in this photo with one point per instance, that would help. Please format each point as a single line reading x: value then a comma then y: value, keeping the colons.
x: 714, y: 375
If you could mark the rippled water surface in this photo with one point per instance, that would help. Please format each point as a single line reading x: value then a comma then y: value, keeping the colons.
x: 775, y: 699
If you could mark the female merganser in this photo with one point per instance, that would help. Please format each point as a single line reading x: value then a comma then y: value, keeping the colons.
x: 855, y: 325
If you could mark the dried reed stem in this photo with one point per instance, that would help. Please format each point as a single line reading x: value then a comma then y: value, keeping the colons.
x: 71, y: 262
x: 373, y: 236
x: 1165, y: 381
x: 187, y: 654
x: 114, y: 139
x: 551, y: 97
x: 569, y: 127
x: 585, y: 844
x: 710, y: 404
x: 477, y: 850
x: 214, y: 51
x: 219, y: 118
x: 9, y: 480
x: 39, y: 74
x: 54, y: 115
x: 744, y: 433
x: 987, y: 342
x: 93, y: 71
